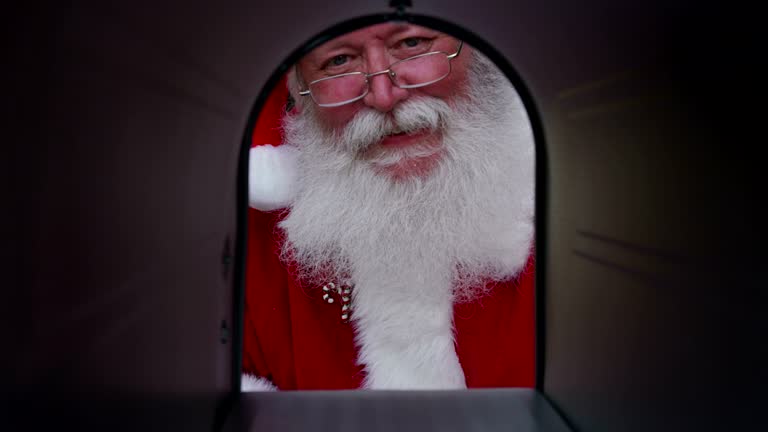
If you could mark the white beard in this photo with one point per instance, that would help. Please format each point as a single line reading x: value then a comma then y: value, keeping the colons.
x: 412, y: 247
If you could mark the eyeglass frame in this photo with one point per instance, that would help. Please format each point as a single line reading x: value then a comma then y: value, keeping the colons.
x: 390, y: 74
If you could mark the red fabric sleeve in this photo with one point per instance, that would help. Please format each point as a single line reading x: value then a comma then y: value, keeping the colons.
x: 267, y: 333
x: 495, y: 336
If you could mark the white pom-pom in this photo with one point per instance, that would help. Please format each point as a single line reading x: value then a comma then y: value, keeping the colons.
x: 272, y: 176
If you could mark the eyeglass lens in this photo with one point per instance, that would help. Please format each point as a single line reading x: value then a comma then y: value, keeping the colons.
x: 408, y: 73
x: 339, y: 89
x: 419, y: 71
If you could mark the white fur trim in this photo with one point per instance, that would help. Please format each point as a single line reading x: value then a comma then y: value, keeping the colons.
x: 252, y: 383
x: 272, y: 176
x: 406, y: 343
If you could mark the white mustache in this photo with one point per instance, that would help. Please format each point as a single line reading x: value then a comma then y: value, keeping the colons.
x: 370, y: 126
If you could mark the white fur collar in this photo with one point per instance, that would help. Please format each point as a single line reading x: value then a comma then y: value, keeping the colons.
x: 406, y: 343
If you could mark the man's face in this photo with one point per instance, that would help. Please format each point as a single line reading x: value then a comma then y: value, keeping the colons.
x: 369, y: 210
x: 374, y: 49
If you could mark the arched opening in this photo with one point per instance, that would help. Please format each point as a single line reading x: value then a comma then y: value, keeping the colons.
x: 391, y: 214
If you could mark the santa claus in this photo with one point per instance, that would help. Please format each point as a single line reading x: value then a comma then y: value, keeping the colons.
x: 391, y: 240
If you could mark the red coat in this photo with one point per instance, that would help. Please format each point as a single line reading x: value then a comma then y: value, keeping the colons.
x: 296, y: 340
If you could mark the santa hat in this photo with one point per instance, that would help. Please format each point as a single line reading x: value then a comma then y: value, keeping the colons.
x: 272, y: 165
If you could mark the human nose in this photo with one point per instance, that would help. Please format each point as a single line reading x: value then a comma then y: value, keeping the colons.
x: 383, y: 95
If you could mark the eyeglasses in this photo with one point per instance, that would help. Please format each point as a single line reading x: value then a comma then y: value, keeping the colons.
x: 413, y: 72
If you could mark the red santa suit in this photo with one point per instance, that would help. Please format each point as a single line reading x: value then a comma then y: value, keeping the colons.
x: 296, y: 340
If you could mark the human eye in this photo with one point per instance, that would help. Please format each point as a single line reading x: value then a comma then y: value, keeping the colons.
x: 412, y: 45
x: 337, y: 62
x: 414, y: 42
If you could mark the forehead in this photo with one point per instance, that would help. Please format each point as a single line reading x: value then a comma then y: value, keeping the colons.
x: 379, y: 33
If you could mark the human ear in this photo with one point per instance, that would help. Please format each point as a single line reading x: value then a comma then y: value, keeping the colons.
x: 295, y: 84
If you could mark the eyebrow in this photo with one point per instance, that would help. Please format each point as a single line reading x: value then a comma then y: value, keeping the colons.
x: 413, y: 28
x: 331, y: 46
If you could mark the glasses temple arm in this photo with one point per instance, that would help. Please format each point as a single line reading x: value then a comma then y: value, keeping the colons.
x: 458, y: 51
